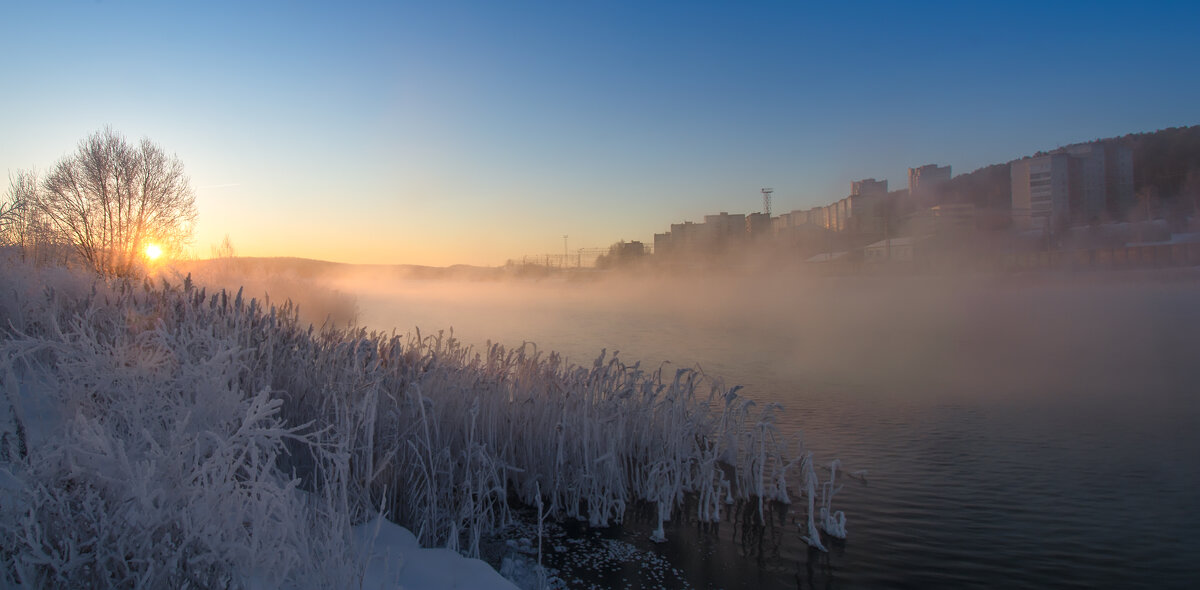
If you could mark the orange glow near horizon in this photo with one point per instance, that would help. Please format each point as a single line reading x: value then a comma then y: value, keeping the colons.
x: 372, y: 247
x: 153, y: 252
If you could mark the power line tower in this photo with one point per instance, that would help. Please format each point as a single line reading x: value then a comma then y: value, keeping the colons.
x: 766, y: 193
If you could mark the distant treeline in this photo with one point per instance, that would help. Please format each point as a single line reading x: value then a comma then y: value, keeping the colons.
x: 1166, y: 161
x: 1166, y: 166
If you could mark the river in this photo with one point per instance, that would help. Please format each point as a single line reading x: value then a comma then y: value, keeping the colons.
x: 1016, y: 431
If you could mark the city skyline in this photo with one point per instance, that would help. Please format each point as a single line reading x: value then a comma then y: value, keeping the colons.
x: 475, y: 133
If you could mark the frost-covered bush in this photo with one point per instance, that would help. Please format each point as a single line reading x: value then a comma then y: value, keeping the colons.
x: 161, y: 436
x: 135, y: 458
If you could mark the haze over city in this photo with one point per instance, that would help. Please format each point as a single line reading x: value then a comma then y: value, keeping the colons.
x: 444, y: 133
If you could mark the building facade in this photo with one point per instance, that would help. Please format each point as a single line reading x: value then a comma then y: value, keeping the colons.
x: 923, y: 181
x: 1101, y: 181
x: 758, y: 225
x: 1078, y: 184
x: 723, y: 227
x: 869, y: 186
x: 1041, y: 191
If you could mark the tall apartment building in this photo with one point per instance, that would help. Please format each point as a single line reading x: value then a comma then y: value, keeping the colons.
x: 758, y: 225
x: 861, y: 212
x: 869, y: 187
x: 782, y: 223
x: 682, y: 238
x: 662, y: 243
x: 1101, y: 181
x: 1086, y: 185
x: 1118, y: 180
x: 1077, y: 184
x: 819, y: 216
x: 924, y: 180
x: 723, y: 226
x: 1041, y: 191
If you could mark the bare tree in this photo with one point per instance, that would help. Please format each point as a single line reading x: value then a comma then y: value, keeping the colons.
x: 223, y: 256
x: 8, y: 217
x: 22, y: 224
x: 12, y: 206
x: 111, y: 199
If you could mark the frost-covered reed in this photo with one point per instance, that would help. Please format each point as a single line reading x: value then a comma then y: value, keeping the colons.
x: 135, y: 455
x: 161, y: 435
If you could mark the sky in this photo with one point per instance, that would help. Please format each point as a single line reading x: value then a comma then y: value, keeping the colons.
x: 453, y: 132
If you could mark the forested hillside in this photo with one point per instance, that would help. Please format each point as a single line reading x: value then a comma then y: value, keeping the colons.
x: 1166, y: 167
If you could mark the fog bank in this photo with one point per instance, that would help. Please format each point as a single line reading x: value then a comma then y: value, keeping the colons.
x: 1004, y: 336
x: 1014, y: 335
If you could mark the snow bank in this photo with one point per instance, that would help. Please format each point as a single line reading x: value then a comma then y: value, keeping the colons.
x: 396, y: 560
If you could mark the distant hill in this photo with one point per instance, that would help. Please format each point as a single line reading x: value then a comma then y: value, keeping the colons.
x: 1165, y: 160
x: 986, y: 188
x: 1166, y: 163
x: 308, y: 268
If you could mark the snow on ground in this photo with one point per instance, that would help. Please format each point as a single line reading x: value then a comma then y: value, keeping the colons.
x: 396, y: 560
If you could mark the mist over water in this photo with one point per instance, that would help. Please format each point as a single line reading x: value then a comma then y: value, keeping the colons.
x: 1003, y: 339
x: 1017, y: 430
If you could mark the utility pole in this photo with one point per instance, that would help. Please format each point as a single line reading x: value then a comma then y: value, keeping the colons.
x: 565, y: 254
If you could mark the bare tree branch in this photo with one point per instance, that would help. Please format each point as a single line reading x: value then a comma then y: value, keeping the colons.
x: 110, y: 199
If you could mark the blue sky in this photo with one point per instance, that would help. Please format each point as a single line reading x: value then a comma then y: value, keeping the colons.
x: 474, y: 132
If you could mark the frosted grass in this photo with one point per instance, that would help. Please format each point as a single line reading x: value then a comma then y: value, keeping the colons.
x: 159, y: 435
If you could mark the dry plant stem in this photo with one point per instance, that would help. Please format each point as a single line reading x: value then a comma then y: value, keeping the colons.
x: 184, y: 400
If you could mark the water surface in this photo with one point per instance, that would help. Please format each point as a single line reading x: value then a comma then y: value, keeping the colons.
x: 1016, y: 431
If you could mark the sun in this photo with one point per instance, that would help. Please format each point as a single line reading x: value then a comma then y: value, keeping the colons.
x: 153, y: 252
